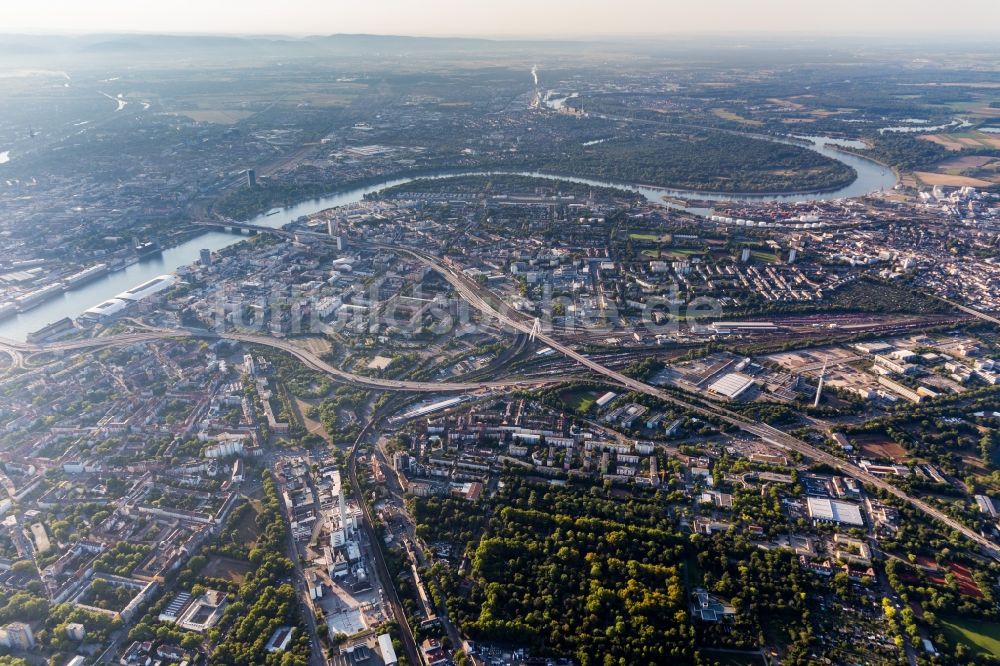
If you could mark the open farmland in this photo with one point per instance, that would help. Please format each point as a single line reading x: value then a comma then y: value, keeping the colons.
x: 964, y: 140
x: 949, y: 180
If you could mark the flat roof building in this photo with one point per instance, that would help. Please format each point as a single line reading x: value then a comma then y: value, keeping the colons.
x: 106, y: 309
x: 834, y: 511
x: 17, y: 635
x: 732, y: 385
x: 386, y: 649
x: 148, y: 288
x: 280, y: 639
x: 606, y: 398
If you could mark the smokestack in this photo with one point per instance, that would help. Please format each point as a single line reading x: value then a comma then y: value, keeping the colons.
x: 819, y: 387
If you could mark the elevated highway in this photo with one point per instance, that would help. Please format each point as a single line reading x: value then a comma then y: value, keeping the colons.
x: 978, y: 314
x: 492, y: 307
x: 489, y: 305
x: 304, y: 355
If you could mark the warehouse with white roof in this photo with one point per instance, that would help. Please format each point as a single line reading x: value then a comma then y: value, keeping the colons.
x: 105, y: 310
x: 732, y: 385
x: 826, y: 510
x: 114, y: 306
x: 385, y: 647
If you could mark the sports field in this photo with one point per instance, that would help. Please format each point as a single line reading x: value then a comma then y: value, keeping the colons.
x: 983, y: 637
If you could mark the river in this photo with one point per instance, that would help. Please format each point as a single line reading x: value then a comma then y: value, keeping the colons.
x: 872, y: 177
x: 915, y: 125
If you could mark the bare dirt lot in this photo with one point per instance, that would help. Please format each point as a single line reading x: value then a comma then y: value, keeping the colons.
x: 883, y: 449
x: 227, y: 568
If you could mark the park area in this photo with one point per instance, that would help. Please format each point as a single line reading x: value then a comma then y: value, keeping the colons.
x: 981, y: 636
x: 579, y: 400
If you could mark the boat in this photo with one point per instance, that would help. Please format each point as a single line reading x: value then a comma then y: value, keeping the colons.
x: 34, y: 298
x: 86, y: 275
x: 147, y: 249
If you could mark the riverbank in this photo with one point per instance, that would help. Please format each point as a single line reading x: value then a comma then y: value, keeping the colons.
x: 868, y: 178
x: 872, y: 177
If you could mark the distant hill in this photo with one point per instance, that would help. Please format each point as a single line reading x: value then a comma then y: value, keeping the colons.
x: 143, y: 45
x: 403, y: 42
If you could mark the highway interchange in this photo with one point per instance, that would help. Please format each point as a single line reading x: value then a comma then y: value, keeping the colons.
x: 492, y: 307
x: 497, y: 315
x: 18, y: 349
x: 473, y: 293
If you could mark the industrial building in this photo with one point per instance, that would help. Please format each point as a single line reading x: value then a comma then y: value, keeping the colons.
x: 824, y: 510
x: 732, y: 386
x: 108, y: 309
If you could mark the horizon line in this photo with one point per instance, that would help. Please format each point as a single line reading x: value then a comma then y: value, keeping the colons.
x: 806, y: 34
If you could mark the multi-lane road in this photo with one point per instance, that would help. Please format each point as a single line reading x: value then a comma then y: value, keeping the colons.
x: 492, y: 307
x: 304, y: 355
x: 982, y: 316
x: 368, y: 523
x: 477, y: 297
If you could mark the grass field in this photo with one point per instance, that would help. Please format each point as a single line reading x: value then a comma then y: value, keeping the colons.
x: 579, y: 401
x: 673, y: 253
x: 982, y: 637
x: 694, y: 576
x: 766, y: 257
x: 653, y: 238
x: 980, y: 107
x: 725, y: 114
x: 674, y: 256
x: 681, y: 251
x: 958, y: 164
x: 785, y: 102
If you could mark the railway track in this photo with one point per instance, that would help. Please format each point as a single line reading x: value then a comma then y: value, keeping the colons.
x: 305, y: 356
x: 484, y: 301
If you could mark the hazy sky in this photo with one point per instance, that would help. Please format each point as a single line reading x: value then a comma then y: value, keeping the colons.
x: 499, y: 17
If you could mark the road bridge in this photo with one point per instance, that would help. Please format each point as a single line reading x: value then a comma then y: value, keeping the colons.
x: 233, y: 225
x: 480, y: 298
x: 491, y: 306
x: 304, y: 355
